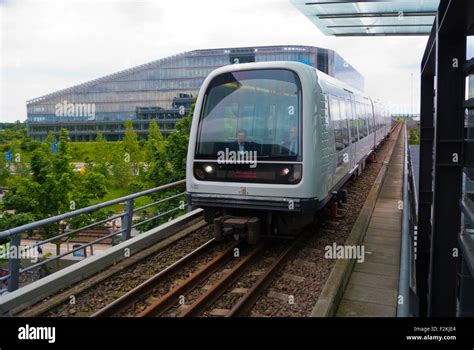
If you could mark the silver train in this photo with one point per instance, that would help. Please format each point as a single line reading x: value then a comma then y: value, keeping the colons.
x: 276, y: 140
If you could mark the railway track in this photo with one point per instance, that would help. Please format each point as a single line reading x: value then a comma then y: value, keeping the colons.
x: 163, y: 304
x: 173, y: 302
x: 128, y: 298
x: 96, y: 291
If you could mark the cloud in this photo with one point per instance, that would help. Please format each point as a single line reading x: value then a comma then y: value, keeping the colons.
x: 47, y: 45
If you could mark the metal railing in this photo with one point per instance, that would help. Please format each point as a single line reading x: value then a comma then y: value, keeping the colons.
x: 126, y: 216
x: 407, y: 300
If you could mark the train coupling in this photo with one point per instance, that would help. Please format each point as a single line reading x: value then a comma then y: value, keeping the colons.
x: 239, y: 227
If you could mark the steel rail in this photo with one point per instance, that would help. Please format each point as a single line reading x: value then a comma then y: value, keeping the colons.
x: 165, y: 302
x: 130, y: 297
x: 244, y: 305
x: 206, y: 299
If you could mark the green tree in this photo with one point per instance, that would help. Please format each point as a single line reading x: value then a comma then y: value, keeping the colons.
x: 4, y: 170
x: 155, y: 144
x: 53, y: 188
x: 62, y: 161
x: 50, y: 140
x: 177, y: 146
x: 131, y: 147
x: 120, y: 167
x: 12, y: 131
x: 101, y: 155
x: 25, y: 197
x: 169, y: 166
x: 89, y: 187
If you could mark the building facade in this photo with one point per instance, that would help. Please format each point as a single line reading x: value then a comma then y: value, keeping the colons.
x: 163, y: 90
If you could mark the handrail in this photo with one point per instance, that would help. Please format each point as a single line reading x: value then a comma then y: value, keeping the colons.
x: 14, y: 234
x: 409, y: 222
x: 33, y: 225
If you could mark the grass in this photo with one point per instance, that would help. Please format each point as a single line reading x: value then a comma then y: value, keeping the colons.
x: 122, y: 192
x: 81, y: 151
x: 414, y: 136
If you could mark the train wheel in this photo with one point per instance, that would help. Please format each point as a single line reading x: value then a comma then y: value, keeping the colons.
x: 253, y: 230
x: 218, y: 234
x: 209, y: 215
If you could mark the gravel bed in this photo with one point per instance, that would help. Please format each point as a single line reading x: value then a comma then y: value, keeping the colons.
x: 107, y: 291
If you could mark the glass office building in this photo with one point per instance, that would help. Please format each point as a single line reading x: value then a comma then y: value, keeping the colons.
x: 163, y: 90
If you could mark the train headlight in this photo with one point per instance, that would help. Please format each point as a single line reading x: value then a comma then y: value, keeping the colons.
x: 208, y: 169
x: 284, y: 171
x: 199, y: 173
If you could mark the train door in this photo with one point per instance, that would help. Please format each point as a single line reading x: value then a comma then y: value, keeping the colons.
x: 373, y: 121
x: 337, y: 107
x: 353, y: 131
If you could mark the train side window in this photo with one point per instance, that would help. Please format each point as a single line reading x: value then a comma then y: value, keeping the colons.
x: 365, y: 119
x: 365, y: 109
x: 352, y: 121
x: 336, y: 122
x: 369, y: 115
x: 376, y: 120
x: 344, y: 123
x: 361, y: 121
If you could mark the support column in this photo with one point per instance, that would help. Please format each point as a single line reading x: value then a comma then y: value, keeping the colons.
x: 425, y: 191
x: 448, y: 159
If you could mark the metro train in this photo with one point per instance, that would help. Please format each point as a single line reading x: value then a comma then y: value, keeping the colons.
x: 274, y: 141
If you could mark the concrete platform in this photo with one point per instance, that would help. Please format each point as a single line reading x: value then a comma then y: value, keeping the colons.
x: 373, y: 284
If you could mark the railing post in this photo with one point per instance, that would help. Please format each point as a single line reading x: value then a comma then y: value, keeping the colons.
x: 127, y: 220
x: 14, y: 263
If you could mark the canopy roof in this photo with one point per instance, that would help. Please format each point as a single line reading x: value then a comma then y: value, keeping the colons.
x: 369, y: 18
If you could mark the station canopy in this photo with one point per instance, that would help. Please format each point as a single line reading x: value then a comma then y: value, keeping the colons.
x: 370, y: 18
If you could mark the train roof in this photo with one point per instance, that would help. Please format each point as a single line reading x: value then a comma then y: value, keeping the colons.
x: 297, y: 67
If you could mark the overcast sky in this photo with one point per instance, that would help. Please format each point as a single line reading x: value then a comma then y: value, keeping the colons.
x: 50, y: 45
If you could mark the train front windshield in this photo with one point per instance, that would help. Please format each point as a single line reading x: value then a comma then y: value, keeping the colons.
x: 253, y: 110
